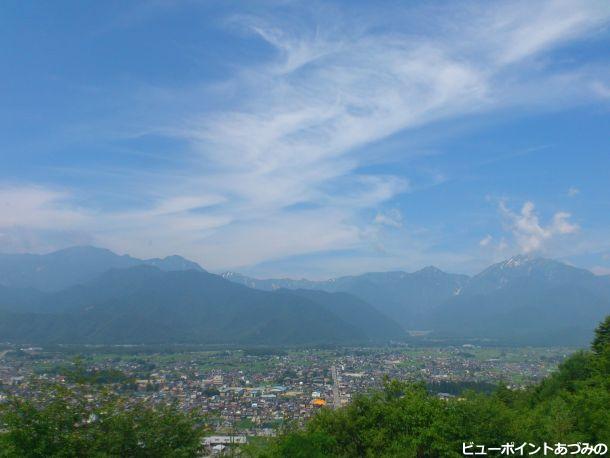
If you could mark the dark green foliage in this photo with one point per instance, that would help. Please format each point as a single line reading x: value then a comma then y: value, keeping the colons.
x: 209, y: 392
x: 455, y: 388
x: 602, y: 336
x: 357, y: 313
x: 405, y: 420
x: 60, y: 423
x: 98, y: 377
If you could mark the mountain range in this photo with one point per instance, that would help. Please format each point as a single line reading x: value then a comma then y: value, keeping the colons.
x: 523, y: 300
x: 144, y: 304
x: 404, y: 297
x: 71, y: 266
x: 92, y: 295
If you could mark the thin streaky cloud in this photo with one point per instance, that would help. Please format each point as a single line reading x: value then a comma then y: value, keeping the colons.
x: 279, y: 171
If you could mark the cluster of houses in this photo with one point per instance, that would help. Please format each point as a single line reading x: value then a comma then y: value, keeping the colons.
x: 244, y: 395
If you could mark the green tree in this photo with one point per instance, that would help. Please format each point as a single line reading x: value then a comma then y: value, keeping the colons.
x: 602, y: 336
x: 59, y: 423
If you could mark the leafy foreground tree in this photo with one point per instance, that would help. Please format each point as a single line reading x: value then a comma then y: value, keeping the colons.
x: 61, y: 423
x: 404, y: 420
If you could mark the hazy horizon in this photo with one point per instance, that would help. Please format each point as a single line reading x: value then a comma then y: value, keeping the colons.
x: 528, y: 257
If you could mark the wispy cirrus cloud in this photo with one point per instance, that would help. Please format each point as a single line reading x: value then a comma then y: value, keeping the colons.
x: 280, y: 169
x: 391, y: 218
x: 573, y: 191
x: 37, y: 207
x: 485, y: 241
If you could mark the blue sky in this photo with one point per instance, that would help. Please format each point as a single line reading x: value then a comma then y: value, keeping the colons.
x: 308, y: 139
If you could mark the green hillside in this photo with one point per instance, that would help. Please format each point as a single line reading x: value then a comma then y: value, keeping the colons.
x: 144, y: 304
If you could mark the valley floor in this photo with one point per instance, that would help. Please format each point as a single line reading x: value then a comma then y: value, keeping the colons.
x: 254, y: 391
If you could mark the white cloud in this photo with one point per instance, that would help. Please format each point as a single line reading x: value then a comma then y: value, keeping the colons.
x: 601, y: 89
x: 561, y: 225
x: 392, y: 218
x: 573, y: 191
x: 334, y: 90
x: 520, y: 31
x: 37, y: 208
x: 485, y: 241
x: 32, y: 216
x: 529, y: 233
x: 278, y: 171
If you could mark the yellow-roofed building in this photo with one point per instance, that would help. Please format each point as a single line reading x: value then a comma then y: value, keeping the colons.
x: 318, y: 402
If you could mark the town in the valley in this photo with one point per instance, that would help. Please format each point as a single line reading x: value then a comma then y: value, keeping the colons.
x: 246, y: 393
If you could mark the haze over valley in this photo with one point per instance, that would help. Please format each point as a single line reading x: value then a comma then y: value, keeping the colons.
x: 91, y: 295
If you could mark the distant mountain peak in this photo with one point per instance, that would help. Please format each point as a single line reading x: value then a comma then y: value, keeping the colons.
x: 77, y: 248
x: 83, y: 250
x: 517, y: 260
x: 530, y: 262
x: 174, y: 262
x: 430, y: 270
x: 518, y: 270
